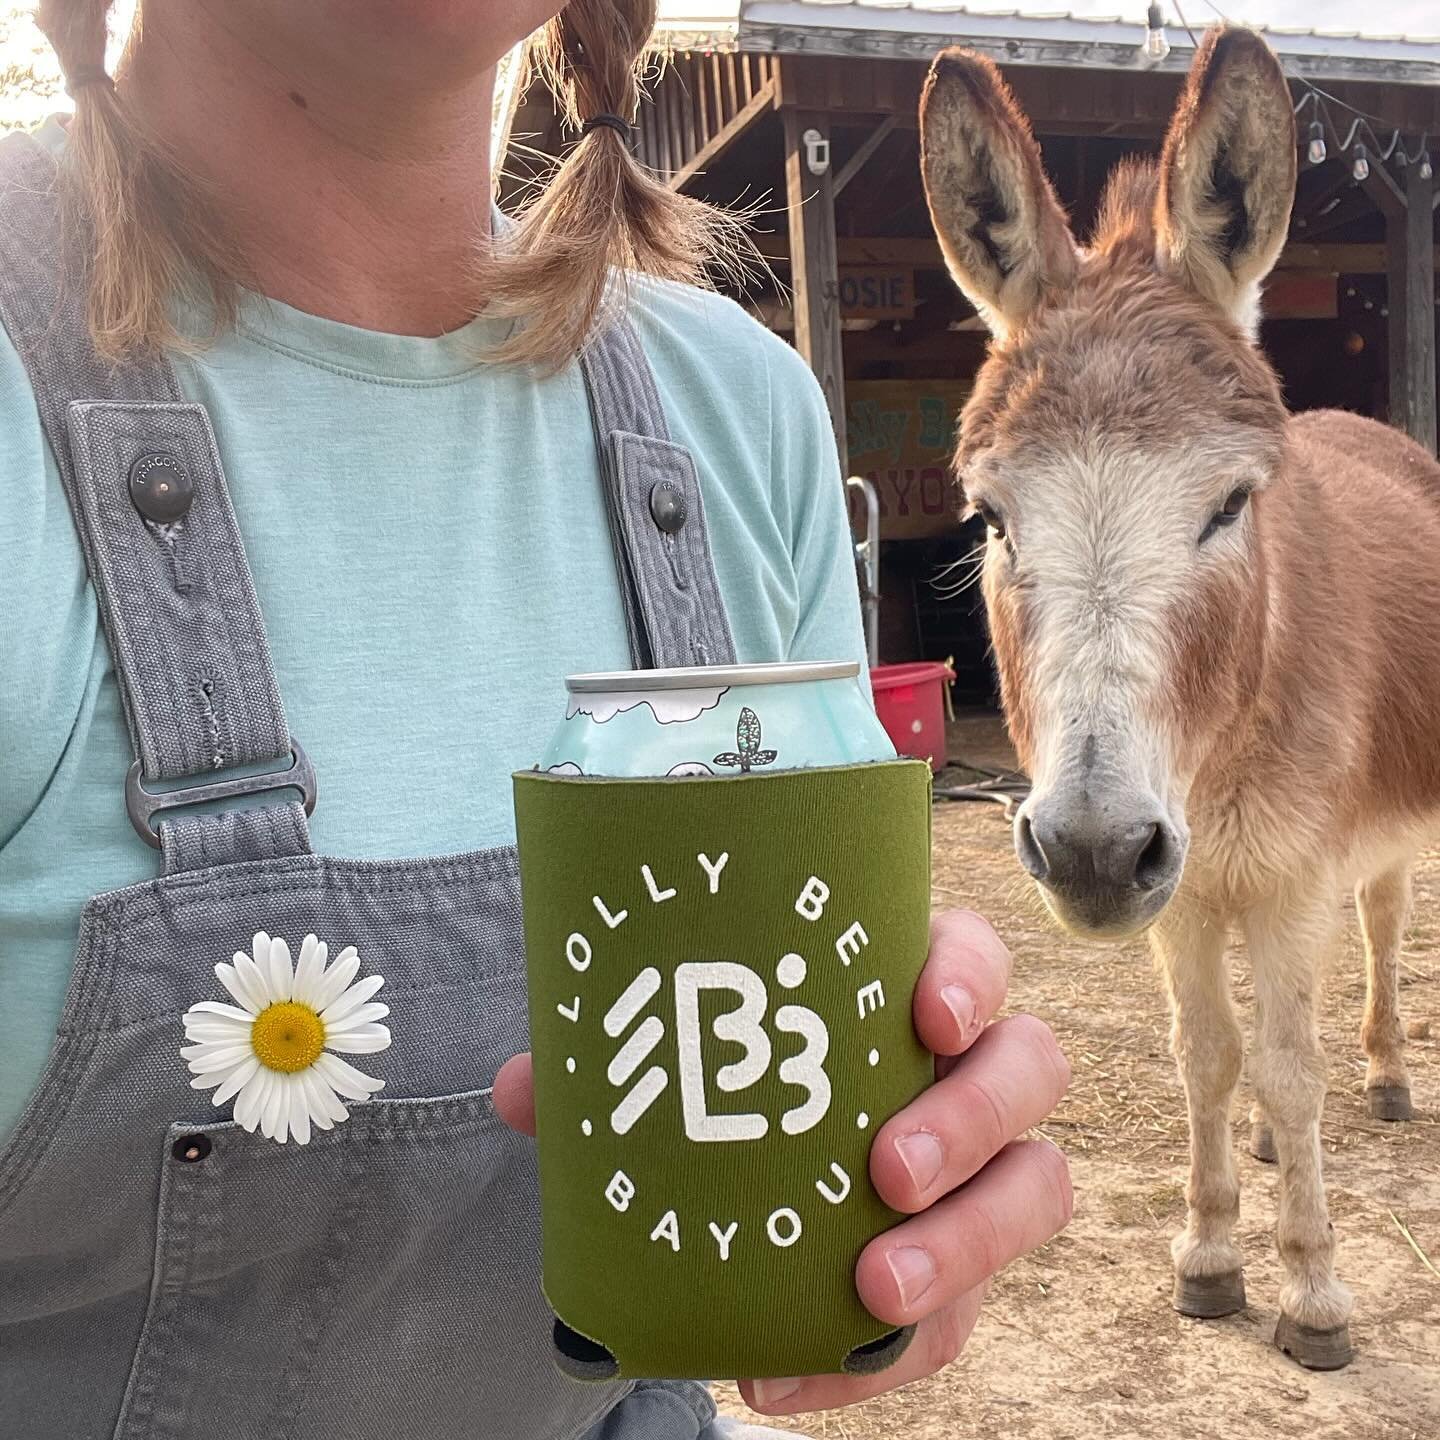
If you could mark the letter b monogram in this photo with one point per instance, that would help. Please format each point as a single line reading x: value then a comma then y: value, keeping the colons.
x: 742, y: 1027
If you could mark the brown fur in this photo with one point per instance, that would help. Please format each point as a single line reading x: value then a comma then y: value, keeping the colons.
x: 1300, y: 669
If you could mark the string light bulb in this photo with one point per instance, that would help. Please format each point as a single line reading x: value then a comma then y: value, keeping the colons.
x: 1156, y: 46
x: 1426, y: 170
x: 1361, y: 168
x: 1316, y: 149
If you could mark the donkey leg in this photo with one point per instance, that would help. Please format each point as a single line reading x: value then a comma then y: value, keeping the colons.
x: 1289, y: 942
x: 1384, y: 905
x: 1262, y: 1136
x: 1205, y: 1037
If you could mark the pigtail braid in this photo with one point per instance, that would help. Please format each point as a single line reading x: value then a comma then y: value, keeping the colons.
x: 602, y: 216
x: 150, y: 236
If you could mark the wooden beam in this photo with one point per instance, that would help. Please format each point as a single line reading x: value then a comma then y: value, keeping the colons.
x: 873, y: 141
x: 1412, y: 311
x: 731, y: 131
x: 814, y: 279
x: 924, y: 253
x: 1078, y: 54
x: 1380, y: 186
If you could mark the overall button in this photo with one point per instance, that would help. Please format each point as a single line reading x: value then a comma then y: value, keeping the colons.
x: 160, y: 488
x: 190, y: 1148
x: 667, y: 507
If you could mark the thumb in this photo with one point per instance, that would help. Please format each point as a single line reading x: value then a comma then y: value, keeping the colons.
x: 514, y: 1094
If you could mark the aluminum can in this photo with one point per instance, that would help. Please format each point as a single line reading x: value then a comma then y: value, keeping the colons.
x: 717, y: 720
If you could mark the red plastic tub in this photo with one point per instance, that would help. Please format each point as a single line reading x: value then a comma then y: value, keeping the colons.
x: 910, y: 701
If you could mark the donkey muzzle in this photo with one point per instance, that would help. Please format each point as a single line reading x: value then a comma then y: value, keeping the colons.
x: 1107, y: 864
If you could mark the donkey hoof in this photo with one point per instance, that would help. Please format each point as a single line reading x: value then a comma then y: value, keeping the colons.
x: 1262, y: 1143
x: 1390, y: 1102
x: 1314, y: 1349
x: 1208, y: 1297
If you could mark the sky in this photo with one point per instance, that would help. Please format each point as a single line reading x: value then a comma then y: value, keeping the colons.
x: 22, y: 45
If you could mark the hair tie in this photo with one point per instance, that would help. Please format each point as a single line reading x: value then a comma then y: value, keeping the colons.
x: 613, y: 122
x: 82, y: 79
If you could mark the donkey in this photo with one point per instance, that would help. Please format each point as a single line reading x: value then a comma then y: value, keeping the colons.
x: 1217, y: 626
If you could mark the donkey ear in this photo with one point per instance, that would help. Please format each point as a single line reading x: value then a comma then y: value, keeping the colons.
x: 1004, y: 236
x: 1227, y: 173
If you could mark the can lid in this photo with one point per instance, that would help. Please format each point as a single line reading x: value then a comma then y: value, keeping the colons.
x: 706, y: 677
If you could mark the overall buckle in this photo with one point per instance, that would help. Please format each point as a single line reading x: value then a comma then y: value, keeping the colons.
x: 142, y: 804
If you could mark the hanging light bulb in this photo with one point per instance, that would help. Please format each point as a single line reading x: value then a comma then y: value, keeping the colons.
x: 1156, y: 46
x: 1426, y: 170
x: 1316, y: 149
x: 1361, y: 168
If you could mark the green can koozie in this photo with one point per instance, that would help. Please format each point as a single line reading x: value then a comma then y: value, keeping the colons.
x: 720, y: 975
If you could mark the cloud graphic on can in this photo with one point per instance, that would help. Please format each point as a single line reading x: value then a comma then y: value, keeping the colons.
x: 569, y: 767
x: 689, y: 767
x: 670, y: 707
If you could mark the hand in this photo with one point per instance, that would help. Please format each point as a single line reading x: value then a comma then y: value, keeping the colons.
x: 979, y: 1197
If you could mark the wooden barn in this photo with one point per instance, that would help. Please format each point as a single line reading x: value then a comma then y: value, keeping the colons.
x: 806, y: 111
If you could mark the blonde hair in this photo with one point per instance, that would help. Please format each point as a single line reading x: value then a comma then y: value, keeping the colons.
x: 601, y: 218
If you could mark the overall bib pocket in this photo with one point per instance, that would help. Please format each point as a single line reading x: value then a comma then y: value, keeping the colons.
x: 286, y: 1278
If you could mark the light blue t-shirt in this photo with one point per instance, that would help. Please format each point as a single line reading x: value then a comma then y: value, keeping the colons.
x: 430, y: 549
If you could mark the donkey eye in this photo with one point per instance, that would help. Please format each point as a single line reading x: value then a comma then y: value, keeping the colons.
x: 1228, y: 513
x: 992, y: 519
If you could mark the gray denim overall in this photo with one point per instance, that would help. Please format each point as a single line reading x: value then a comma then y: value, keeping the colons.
x: 162, y: 1272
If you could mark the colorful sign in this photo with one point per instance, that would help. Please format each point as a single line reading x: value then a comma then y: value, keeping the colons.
x: 901, y: 436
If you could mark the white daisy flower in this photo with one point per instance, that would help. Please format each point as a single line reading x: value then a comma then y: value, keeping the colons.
x: 271, y: 1054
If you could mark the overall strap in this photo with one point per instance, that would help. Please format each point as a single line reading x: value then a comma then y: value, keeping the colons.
x: 673, y: 606
x: 142, y: 474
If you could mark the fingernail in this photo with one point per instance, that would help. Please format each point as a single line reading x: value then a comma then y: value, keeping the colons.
x: 914, y: 1272
x: 775, y: 1392
x: 922, y: 1157
x: 961, y: 1004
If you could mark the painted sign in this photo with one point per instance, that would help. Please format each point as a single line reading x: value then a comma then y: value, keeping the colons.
x: 876, y: 292
x: 901, y: 435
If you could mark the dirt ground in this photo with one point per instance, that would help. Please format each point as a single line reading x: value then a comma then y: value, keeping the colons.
x: 1079, y: 1340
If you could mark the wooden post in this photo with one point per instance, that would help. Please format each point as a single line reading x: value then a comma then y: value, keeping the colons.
x: 1410, y: 274
x: 1419, y: 305
x: 814, y: 276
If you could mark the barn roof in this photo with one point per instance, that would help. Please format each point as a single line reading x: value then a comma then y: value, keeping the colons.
x: 915, y: 29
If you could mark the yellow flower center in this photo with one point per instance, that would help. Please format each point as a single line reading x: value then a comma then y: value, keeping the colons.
x: 288, y: 1036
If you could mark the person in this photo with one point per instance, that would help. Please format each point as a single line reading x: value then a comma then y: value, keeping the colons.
x: 328, y: 430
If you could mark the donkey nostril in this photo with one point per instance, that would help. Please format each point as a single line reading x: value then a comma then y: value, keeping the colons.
x: 1027, y: 847
x: 1155, y: 861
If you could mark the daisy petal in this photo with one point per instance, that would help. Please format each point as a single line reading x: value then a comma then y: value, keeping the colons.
x: 238, y: 1078
x: 324, y: 1103
x: 309, y: 969
x: 361, y: 1040
x: 346, y: 1080
x: 219, y: 1061
x: 215, y: 1032
x: 229, y: 977
x: 299, y: 1104
x: 273, y: 1110
x: 332, y: 983
x: 282, y: 970
x: 352, y: 999
x: 216, y: 1007
x: 247, y: 1102
x: 365, y: 1015
x: 253, y: 978
x: 203, y: 1048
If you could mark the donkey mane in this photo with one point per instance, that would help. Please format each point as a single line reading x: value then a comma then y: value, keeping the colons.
x: 1125, y: 223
